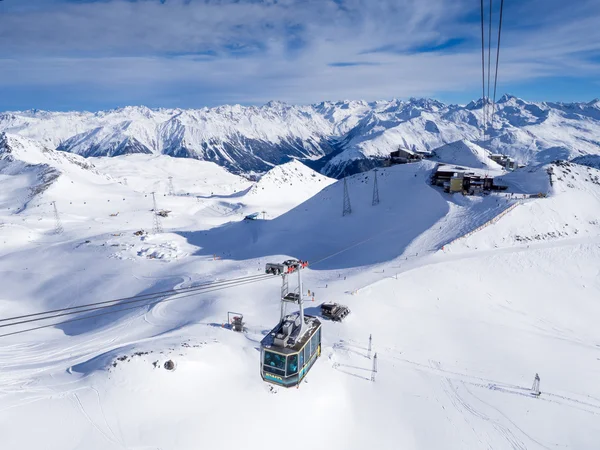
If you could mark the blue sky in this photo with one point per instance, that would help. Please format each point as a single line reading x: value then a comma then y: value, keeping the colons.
x: 92, y: 54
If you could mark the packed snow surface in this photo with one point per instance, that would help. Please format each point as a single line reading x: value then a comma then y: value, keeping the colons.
x: 461, y: 322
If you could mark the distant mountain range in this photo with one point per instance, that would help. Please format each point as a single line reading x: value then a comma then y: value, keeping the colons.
x: 335, y: 138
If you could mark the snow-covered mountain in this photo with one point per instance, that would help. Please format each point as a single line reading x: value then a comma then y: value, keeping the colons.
x: 339, y: 137
x: 28, y: 169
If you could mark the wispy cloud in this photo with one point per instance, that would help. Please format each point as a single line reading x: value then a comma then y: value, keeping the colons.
x: 249, y: 51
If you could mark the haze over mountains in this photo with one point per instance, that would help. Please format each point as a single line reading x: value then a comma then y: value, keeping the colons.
x: 334, y: 137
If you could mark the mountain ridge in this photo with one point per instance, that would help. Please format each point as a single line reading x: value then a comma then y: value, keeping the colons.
x: 337, y: 137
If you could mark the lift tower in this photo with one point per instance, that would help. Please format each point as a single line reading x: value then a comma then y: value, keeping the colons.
x: 156, y: 226
x: 58, y: 228
x: 347, y: 207
x: 375, y: 190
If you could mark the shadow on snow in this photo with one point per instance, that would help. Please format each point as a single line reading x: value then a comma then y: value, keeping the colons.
x: 316, y: 230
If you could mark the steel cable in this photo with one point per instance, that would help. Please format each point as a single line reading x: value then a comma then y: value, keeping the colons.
x: 129, y: 308
x: 124, y: 300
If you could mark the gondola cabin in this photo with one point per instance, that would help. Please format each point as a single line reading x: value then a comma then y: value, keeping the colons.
x: 290, y: 349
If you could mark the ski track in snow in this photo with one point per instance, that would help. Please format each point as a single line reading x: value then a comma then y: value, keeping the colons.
x: 434, y: 367
x: 91, y: 421
x: 452, y: 392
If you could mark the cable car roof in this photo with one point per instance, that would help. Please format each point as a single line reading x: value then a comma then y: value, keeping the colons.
x: 312, y: 323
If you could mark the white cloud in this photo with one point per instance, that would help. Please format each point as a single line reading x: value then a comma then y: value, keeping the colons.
x: 253, y: 51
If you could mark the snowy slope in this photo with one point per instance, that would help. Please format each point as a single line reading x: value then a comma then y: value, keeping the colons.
x: 30, y: 169
x: 570, y: 212
x: 253, y: 139
x: 284, y: 187
x: 148, y: 173
x: 465, y: 153
x: 459, y: 330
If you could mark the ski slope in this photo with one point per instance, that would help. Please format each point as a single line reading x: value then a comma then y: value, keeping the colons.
x: 460, y: 328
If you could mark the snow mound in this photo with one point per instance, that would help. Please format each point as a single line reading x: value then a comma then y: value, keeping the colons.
x: 284, y: 187
x: 166, y: 251
x: 465, y: 153
x: 294, y: 175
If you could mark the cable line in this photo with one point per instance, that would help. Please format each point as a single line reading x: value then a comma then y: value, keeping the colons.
x: 497, y: 59
x: 489, y: 62
x: 483, y: 70
x: 201, y: 289
x: 148, y: 296
x: 356, y: 244
x: 176, y: 294
x: 124, y: 309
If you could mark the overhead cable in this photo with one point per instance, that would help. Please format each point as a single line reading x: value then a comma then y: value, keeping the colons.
x: 497, y: 59
x: 123, y: 300
x: 125, y: 309
x: 483, y: 70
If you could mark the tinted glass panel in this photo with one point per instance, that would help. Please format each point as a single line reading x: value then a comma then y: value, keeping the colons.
x: 274, y: 360
x: 292, y: 364
x: 301, y: 356
x: 273, y: 370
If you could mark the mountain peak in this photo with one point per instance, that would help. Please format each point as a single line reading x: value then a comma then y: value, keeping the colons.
x: 506, y: 98
x: 276, y: 104
x: 426, y: 103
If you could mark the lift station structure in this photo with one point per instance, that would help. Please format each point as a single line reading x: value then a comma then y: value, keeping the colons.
x: 290, y: 349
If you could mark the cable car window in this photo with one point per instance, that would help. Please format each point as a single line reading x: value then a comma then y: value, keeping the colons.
x: 301, y: 356
x: 306, y: 352
x: 319, y: 336
x: 275, y: 360
x: 292, y: 365
x: 313, y: 344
